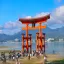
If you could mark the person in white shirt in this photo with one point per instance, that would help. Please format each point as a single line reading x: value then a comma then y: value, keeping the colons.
x: 45, y: 59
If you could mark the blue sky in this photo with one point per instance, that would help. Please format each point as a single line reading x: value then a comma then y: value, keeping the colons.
x: 12, y: 10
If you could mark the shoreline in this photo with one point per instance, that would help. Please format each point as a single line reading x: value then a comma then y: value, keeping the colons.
x: 34, y: 59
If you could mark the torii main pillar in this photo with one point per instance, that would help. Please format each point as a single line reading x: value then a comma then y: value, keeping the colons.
x: 40, y: 37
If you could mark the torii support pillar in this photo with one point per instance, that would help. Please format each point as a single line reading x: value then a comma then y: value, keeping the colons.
x: 40, y: 46
x: 27, y: 46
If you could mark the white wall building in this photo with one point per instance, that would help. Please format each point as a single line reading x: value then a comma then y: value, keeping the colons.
x: 60, y: 40
x: 50, y: 39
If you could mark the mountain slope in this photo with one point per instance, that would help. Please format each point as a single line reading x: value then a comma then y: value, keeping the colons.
x: 55, y: 33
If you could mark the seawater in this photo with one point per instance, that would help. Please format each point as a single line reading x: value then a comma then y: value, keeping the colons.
x: 57, y: 47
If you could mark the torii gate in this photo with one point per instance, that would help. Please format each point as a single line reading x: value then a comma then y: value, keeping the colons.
x: 40, y: 37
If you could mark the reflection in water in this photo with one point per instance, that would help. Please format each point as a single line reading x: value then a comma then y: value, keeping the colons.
x: 52, y: 47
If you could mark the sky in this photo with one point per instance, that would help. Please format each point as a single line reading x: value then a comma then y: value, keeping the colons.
x: 12, y: 10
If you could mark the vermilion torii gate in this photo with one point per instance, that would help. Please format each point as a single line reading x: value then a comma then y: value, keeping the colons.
x: 40, y: 37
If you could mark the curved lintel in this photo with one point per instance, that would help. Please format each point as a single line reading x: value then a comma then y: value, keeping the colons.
x: 34, y: 20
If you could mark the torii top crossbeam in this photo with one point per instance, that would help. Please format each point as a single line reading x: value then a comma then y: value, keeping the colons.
x: 34, y: 20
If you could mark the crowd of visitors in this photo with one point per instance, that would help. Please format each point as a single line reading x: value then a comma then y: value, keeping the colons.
x: 14, y: 56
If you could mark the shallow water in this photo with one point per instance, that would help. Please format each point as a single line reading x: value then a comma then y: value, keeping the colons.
x: 51, y: 47
x: 57, y: 47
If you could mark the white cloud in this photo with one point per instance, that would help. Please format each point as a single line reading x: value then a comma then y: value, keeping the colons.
x: 11, y: 32
x: 57, y: 18
x: 42, y: 14
x: 1, y: 31
x: 59, y: 0
x: 56, y: 21
x: 11, y: 27
x: 0, y: 27
x: 28, y: 17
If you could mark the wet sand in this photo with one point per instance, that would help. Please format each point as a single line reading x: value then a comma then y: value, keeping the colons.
x: 35, y: 60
